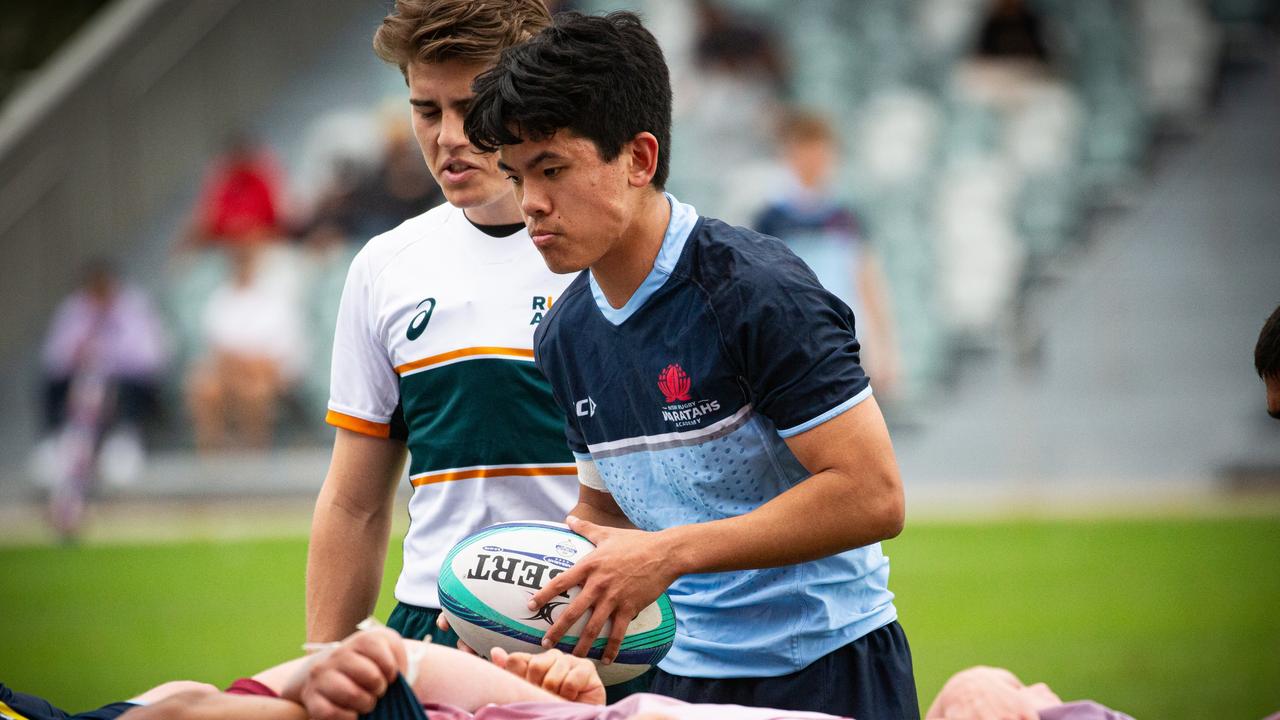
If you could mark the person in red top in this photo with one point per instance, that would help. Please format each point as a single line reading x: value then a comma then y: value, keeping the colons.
x: 241, y: 199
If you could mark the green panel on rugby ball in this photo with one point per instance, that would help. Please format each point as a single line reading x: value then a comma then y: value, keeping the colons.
x: 487, y: 579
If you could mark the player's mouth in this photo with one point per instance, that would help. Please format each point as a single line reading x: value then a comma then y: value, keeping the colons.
x: 542, y: 237
x: 456, y: 171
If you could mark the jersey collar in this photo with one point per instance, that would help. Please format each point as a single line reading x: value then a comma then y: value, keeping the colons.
x: 683, y: 218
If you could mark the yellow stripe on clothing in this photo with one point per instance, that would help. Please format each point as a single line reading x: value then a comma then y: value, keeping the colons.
x: 360, y: 425
x: 498, y: 471
x: 522, y: 353
x: 8, y: 712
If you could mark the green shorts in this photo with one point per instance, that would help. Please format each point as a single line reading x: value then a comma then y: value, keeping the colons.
x: 418, y: 623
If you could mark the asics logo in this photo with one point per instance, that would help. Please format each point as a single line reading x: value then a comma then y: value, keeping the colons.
x: 419, y: 322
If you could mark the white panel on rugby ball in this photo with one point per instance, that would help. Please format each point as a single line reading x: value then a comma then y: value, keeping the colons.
x: 487, y: 579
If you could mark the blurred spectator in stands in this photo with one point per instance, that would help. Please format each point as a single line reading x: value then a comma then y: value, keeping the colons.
x: 109, y: 331
x: 734, y: 43
x: 361, y: 204
x: 1012, y: 29
x: 255, y: 352
x: 240, y: 201
x: 1266, y: 360
x: 399, y: 189
x: 827, y: 235
x: 729, y: 102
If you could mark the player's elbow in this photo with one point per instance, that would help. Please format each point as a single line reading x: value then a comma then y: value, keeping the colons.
x: 890, y: 506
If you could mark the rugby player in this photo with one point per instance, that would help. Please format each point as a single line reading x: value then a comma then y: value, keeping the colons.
x: 433, y: 348
x: 729, y: 446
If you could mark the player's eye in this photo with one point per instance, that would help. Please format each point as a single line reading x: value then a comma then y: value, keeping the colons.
x: 551, y: 172
x: 515, y: 179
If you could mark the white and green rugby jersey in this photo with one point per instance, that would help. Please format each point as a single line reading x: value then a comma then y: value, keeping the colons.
x: 434, y: 345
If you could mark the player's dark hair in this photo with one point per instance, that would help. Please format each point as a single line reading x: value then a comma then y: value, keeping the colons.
x: 602, y: 78
x: 1266, y: 356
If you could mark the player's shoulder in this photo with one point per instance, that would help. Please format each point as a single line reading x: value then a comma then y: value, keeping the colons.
x: 736, y: 261
x: 382, y: 250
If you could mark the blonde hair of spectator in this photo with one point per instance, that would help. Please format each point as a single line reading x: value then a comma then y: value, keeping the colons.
x: 473, y: 31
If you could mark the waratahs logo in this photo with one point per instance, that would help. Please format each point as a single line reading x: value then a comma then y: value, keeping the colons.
x: 674, y: 383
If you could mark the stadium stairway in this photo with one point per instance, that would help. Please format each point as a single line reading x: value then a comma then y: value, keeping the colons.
x: 1133, y: 382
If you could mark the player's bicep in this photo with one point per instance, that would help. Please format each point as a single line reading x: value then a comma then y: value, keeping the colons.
x: 854, y: 449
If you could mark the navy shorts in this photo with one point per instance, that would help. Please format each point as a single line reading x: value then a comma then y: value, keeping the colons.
x: 37, y: 708
x: 868, y: 679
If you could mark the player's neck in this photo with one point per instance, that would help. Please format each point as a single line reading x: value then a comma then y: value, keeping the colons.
x: 502, y: 212
x: 620, y: 272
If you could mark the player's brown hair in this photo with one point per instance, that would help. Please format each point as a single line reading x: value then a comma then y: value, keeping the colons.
x: 467, y: 30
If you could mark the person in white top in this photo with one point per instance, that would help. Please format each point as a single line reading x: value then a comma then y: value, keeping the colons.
x: 253, y: 330
x: 433, y: 349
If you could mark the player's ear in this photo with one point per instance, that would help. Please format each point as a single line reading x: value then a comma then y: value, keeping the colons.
x: 642, y: 159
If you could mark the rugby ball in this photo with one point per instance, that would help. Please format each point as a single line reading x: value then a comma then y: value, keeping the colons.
x: 487, y: 579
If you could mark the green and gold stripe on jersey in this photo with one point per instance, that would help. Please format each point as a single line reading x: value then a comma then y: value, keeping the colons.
x: 511, y: 420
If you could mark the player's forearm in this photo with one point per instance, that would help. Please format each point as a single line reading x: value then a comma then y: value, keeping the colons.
x: 819, y: 517
x: 601, y: 516
x: 344, y: 568
x: 448, y: 676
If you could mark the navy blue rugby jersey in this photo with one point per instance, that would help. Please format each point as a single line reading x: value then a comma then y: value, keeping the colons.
x: 683, y: 399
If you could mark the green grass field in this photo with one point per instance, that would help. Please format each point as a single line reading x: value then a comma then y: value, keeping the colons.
x: 1170, y: 618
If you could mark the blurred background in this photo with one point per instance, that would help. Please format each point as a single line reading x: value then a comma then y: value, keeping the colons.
x: 1056, y: 221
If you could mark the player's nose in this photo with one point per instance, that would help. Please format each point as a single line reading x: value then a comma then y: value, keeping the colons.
x: 451, y: 134
x: 533, y: 201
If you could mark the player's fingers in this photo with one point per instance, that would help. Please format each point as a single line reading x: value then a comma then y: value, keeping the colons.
x: 466, y: 648
x: 320, y: 708
x: 568, y: 617
x: 621, y: 619
x: 580, y: 678
x: 538, y: 666
x: 385, y: 649
x: 368, y: 673
x: 442, y: 622
x: 518, y: 664
x: 599, y: 614
x: 587, y: 529
x: 556, y: 585
x: 344, y: 693
x: 499, y: 657
x: 556, y: 674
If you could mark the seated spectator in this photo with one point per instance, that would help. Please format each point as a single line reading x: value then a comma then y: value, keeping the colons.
x: 240, y: 201
x: 358, y: 204
x: 377, y: 674
x: 106, y: 334
x: 253, y: 330
x: 827, y: 235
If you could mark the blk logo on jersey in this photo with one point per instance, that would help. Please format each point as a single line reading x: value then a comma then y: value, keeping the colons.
x: 674, y: 383
x: 419, y: 322
x: 681, y: 409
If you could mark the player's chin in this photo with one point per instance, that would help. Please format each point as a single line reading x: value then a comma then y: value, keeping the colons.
x: 559, y: 263
x: 472, y: 193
